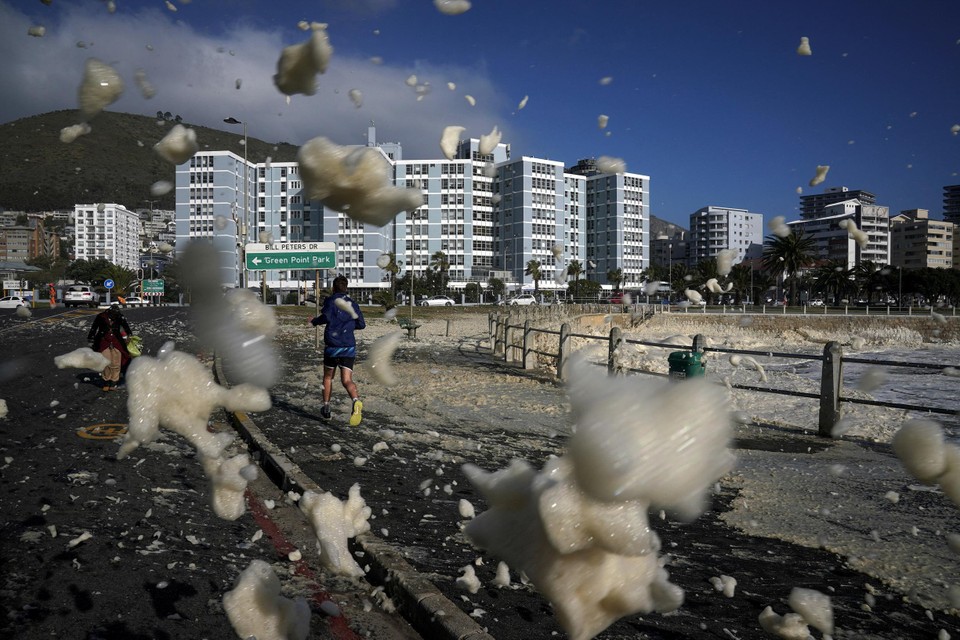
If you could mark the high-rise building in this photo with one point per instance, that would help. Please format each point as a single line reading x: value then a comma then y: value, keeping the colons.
x: 834, y: 241
x: 540, y: 207
x: 812, y: 205
x: 490, y: 215
x: 107, y: 231
x: 713, y: 229
x: 916, y: 241
x: 951, y: 203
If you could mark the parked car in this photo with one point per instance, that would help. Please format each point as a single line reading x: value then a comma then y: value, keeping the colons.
x: 133, y: 301
x: 816, y: 302
x: 523, y: 299
x: 438, y: 301
x: 616, y: 297
x: 81, y: 294
x: 12, y: 302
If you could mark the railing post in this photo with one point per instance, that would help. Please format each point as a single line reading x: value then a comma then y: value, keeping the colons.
x: 490, y: 330
x: 699, y: 342
x: 831, y: 380
x: 448, y: 326
x: 506, y: 339
x: 563, y: 351
x: 526, y: 344
x: 616, y: 340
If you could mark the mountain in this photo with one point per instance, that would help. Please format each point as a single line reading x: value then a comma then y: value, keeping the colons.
x: 115, y: 162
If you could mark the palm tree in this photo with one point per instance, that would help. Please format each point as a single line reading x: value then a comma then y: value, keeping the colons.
x: 615, y: 278
x: 740, y: 277
x: 833, y: 278
x: 574, y: 269
x: 788, y: 256
x: 533, y: 270
x: 123, y: 278
x: 440, y: 262
x: 869, y: 277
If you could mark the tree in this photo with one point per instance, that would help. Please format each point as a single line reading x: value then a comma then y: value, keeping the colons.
x: 574, y: 269
x: 473, y: 291
x: 441, y: 263
x: 583, y: 290
x: 869, y: 278
x: 393, y: 269
x: 123, y: 279
x: 740, y: 276
x: 87, y: 271
x: 533, y: 270
x: 787, y: 256
x: 496, y: 286
x: 615, y: 278
x: 833, y: 279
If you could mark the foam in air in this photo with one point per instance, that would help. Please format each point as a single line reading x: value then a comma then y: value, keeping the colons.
x: 299, y: 64
x: 490, y: 141
x: 101, y: 86
x: 178, y: 145
x: 821, y: 175
x: 255, y: 607
x: 334, y: 522
x: 579, y: 528
x: 449, y: 140
x: 804, y: 48
x: 452, y: 7
x: 354, y: 180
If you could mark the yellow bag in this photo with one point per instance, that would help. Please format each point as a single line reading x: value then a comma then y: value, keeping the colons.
x: 135, y: 345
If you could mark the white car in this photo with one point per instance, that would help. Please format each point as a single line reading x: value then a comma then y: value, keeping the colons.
x: 134, y: 301
x: 816, y: 302
x: 438, y: 301
x: 523, y: 299
x: 12, y: 302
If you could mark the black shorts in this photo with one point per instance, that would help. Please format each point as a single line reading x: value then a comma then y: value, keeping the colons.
x: 332, y: 362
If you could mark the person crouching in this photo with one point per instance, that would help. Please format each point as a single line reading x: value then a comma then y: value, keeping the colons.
x: 107, y: 337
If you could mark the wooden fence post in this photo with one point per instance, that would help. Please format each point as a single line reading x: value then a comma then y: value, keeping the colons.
x: 616, y: 339
x: 831, y: 380
x: 563, y: 352
x: 506, y: 339
x: 490, y: 325
x: 526, y: 344
x: 699, y: 342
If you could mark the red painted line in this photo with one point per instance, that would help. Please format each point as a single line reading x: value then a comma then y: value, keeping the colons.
x: 339, y: 627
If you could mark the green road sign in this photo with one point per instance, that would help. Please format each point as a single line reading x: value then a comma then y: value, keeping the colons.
x: 152, y: 286
x: 293, y: 255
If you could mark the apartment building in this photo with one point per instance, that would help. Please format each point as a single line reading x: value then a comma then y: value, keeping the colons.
x: 916, y: 241
x: 713, y: 229
x: 107, y: 231
x: 833, y: 241
x: 489, y: 214
x: 951, y: 203
x: 813, y: 205
x: 540, y: 207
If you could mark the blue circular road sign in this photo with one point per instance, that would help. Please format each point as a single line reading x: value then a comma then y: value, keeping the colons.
x: 108, y: 283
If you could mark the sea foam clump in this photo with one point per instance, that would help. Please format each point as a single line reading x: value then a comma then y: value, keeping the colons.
x: 579, y: 528
x: 82, y: 358
x: 255, y: 607
x: 176, y: 391
x: 449, y: 140
x: 178, y: 145
x: 101, y: 86
x: 334, y: 522
x: 354, y: 180
x: 925, y: 454
x: 299, y: 64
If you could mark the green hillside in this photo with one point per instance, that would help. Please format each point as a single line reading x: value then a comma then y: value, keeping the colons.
x: 115, y: 162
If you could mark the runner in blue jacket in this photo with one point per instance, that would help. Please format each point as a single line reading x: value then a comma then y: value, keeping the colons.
x: 342, y: 316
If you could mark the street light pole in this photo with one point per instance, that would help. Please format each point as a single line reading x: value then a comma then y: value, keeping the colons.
x: 241, y: 230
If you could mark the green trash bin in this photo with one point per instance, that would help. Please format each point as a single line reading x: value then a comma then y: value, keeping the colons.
x: 686, y: 364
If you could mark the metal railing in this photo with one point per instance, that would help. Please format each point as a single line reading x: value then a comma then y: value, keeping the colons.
x: 503, y: 344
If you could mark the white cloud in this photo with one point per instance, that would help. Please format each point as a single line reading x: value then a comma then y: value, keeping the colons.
x: 195, y: 77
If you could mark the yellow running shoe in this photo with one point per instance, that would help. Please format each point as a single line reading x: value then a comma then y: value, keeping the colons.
x: 357, y: 414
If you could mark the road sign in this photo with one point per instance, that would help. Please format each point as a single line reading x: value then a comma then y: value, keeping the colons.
x: 152, y: 287
x: 108, y: 283
x: 292, y: 255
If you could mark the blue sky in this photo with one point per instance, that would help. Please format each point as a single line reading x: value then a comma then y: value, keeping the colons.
x: 709, y: 99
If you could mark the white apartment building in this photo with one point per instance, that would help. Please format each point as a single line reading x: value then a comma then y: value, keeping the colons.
x: 618, y: 226
x: 539, y: 206
x: 713, y: 229
x: 489, y: 214
x: 107, y: 231
x: 833, y: 242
